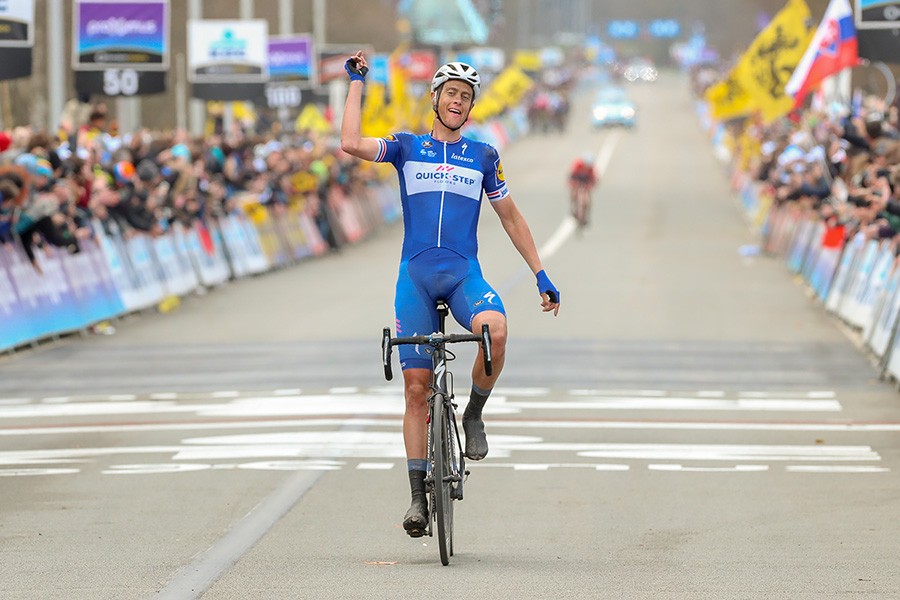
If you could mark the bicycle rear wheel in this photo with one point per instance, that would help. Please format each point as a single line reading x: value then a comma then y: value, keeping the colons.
x: 443, y: 504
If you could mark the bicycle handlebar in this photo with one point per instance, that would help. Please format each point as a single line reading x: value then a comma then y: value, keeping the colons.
x: 435, y: 340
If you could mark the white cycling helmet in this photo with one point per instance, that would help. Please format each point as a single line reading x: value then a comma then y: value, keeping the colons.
x: 459, y: 71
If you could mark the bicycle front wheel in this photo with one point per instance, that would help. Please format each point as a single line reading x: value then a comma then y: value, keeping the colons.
x: 443, y: 504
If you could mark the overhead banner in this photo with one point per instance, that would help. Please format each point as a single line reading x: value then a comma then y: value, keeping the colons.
x: 877, y: 14
x: 16, y: 38
x: 114, y: 35
x: 225, y: 51
x: 292, y: 57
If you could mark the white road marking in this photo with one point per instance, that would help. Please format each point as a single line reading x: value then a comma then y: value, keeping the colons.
x: 729, y: 452
x: 226, y: 394
x: 741, y: 404
x: 524, y: 466
x: 163, y: 396
x: 523, y: 424
x: 588, y: 392
x: 32, y: 472
x: 787, y: 394
x: 835, y: 469
x: 287, y: 392
x: 604, y: 156
x: 343, y: 390
x: 734, y: 469
x: 382, y: 408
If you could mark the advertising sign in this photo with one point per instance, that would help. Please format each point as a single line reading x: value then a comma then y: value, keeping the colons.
x: 16, y: 23
x: 226, y: 51
x: 16, y: 38
x: 420, y: 64
x: 378, y: 69
x: 332, y: 58
x: 877, y: 14
x: 292, y: 57
x: 109, y: 34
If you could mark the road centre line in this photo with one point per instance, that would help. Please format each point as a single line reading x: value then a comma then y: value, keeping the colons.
x: 568, y: 225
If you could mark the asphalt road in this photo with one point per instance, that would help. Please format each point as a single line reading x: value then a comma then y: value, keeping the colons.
x: 690, y: 426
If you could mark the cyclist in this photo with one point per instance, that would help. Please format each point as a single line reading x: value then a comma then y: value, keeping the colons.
x: 582, y: 179
x: 442, y: 176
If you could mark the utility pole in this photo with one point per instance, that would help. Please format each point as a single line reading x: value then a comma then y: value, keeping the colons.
x: 56, y: 63
x: 197, y: 106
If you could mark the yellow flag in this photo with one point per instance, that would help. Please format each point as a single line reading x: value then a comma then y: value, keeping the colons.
x: 507, y: 89
x: 402, y: 105
x: 312, y: 119
x: 529, y: 60
x: 728, y: 99
x: 376, y: 116
x: 767, y: 66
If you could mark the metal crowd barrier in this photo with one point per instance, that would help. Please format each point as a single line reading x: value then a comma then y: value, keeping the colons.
x: 116, y: 274
x: 858, y: 282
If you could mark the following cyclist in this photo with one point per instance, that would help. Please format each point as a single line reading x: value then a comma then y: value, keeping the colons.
x: 582, y: 179
x: 442, y: 176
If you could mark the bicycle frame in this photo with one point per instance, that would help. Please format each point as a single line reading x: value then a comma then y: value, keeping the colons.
x: 445, y: 456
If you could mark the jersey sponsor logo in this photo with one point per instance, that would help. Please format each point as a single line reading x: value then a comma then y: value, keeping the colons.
x: 426, y: 144
x: 490, y: 297
x: 390, y: 138
x: 422, y: 177
x: 462, y: 158
x: 500, y: 176
x: 464, y: 146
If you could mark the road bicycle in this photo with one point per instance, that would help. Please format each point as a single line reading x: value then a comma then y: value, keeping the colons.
x: 445, y: 457
x: 581, y: 204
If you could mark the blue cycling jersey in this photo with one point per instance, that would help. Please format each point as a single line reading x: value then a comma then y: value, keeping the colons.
x: 441, y: 184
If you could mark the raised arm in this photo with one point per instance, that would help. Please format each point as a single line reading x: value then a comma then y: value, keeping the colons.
x: 352, y: 141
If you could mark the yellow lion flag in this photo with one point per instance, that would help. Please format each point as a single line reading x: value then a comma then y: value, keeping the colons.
x: 728, y: 99
x: 767, y: 65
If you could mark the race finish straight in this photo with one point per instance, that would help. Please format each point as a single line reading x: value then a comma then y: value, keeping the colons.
x: 443, y: 178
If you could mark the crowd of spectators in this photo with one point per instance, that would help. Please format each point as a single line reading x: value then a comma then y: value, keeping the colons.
x: 55, y: 189
x: 837, y: 161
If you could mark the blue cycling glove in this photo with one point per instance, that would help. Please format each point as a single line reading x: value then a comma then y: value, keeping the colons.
x: 545, y: 286
x: 355, y: 72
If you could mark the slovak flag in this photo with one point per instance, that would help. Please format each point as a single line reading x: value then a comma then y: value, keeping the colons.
x: 833, y: 48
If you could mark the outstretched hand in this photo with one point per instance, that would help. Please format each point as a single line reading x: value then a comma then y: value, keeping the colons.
x: 549, y: 293
x: 547, y: 305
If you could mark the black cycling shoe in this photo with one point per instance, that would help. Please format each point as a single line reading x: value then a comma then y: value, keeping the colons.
x: 476, y: 440
x: 416, y: 519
